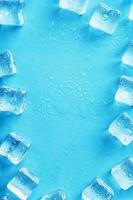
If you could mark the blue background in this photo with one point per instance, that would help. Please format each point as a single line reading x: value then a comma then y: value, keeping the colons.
x: 71, y: 74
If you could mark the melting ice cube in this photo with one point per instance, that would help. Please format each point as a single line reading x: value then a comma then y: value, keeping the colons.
x: 57, y: 195
x: 11, y: 12
x: 105, y: 19
x: 12, y: 100
x: 14, y: 148
x: 7, y: 64
x: 127, y: 57
x: 122, y: 127
x: 97, y: 190
x: 23, y: 184
x: 124, y: 93
x: 123, y: 173
x: 78, y: 6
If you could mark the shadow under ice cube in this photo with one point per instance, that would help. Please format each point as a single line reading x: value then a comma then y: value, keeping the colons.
x: 97, y: 190
x: 124, y: 93
x: 14, y: 148
x: 11, y: 12
x: 7, y: 64
x: 105, y: 19
x: 122, y: 128
x: 57, y: 195
x: 127, y: 57
x: 23, y: 184
x: 77, y: 6
x: 123, y: 173
x: 12, y: 100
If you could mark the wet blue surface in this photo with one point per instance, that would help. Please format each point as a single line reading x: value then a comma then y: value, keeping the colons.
x: 71, y: 74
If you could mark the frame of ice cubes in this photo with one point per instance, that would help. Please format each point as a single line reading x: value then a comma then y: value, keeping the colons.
x: 14, y: 148
x: 123, y: 173
x: 7, y: 64
x: 105, y: 19
x: 124, y: 93
x: 98, y: 190
x: 122, y: 127
x: 77, y: 6
x: 23, y: 184
x: 127, y: 57
x: 11, y: 12
x: 12, y: 100
x: 58, y: 194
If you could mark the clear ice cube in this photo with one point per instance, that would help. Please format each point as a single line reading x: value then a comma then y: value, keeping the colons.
x: 130, y: 16
x: 7, y: 64
x: 124, y: 93
x: 12, y: 100
x: 77, y: 6
x: 97, y: 190
x: 127, y: 57
x: 105, y: 19
x: 123, y: 173
x: 14, y: 148
x: 57, y: 195
x: 11, y: 12
x: 122, y: 127
x: 23, y: 184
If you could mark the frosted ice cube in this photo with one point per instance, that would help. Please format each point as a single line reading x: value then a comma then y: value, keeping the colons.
x: 122, y: 128
x: 12, y: 100
x: 130, y: 16
x: 78, y: 6
x: 127, y: 57
x: 57, y: 195
x: 23, y: 184
x: 97, y: 190
x: 123, y: 173
x: 124, y: 93
x: 105, y: 19
x: 11, y: 12
x: 14, y: 148
x: 7, y: 64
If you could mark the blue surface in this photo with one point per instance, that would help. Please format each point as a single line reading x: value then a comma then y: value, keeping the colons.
x: 71, y: 74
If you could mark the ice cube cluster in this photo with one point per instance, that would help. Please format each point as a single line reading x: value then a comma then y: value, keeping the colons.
x: 13, y: 148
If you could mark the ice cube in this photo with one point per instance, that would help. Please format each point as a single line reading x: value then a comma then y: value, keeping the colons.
x: 127, y: 57
x: 123, y: 173
x: 97, y: 190
x: 23, y: 184
x: 77, y: 6
x: 122, y: 127
x: 12, y: 100
x: 105, y: 19
x: 124, y: 93
x: 57, y: 195
x: 7, y: 64
x: 14, y: 148
x: 130, y: 16
x: 11, y: 12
